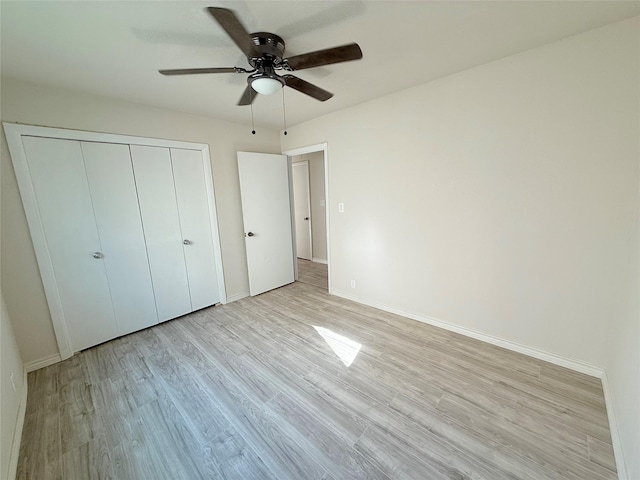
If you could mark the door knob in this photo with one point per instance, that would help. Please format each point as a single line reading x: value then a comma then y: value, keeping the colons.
x: 98, y: 255
x: 186, y: 242
x: 251, y: 234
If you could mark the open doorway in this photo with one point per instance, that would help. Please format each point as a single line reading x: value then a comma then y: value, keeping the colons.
x: 309, y: 189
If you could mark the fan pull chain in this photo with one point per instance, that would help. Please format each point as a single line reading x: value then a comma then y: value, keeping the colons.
x: 284, y: 113
x: 253, y: 126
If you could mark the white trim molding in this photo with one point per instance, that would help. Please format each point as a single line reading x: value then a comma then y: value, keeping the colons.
x: 320, y: 147
x: 571, y: 364
x: 319, y: 260
x: 18, y: 427
x: 43, y: 362
x: 621, y: 464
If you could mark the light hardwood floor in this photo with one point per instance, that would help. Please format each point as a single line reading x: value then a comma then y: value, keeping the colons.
x: 313, y: 273
x: 256, y: 389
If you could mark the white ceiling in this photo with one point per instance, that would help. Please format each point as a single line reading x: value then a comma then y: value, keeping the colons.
x: 114, y: 48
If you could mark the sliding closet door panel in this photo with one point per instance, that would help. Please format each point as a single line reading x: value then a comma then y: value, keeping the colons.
x: 161, y: 225
x: 193, y: 205
x: 64, y: 204
x: 115, y: 204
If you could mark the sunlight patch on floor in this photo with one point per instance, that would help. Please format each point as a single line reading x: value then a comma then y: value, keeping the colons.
x: 345, y: 348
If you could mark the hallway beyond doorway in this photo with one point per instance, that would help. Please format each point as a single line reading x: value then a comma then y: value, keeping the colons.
x: 312, y: 273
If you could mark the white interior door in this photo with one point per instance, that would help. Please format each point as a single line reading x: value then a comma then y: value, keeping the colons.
x: 64, y: 205
x: 266, y: 213
x: 193, y: 206
x: 115, y: 204
x: 159, y: 210
x: 302, y: 209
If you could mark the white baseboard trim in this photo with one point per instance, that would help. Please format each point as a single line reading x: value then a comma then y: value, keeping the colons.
x: 237, y: 296
x: 621, y: 463
x: 571, y: 364
x: 319, y: 260
x: 17, y: 432
x: 42, y: 362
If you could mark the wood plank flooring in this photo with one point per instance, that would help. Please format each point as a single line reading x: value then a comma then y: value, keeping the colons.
x: 260, y: 389
x: 313, y: 273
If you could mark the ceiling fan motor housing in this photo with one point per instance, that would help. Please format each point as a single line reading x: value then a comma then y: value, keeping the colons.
x: 265, y: 54
x: 268, y: 50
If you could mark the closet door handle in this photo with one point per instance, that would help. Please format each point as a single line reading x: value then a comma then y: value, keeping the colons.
x: 97, y: 255
x: 186, y: 242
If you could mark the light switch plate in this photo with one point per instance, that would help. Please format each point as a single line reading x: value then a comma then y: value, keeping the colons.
x: 341, y: 208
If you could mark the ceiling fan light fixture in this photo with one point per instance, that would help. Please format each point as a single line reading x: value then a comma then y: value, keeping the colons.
x: 265, y: 54
x: 266, y: 85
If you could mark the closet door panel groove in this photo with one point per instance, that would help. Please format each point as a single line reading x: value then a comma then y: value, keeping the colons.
x: 161, y: 224
x: 115, y: 204
x: 191, y: 194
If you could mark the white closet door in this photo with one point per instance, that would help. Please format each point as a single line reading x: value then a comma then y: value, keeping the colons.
x: 161, y: 225
x: 193, y: 205
x: 115, y: 204
x: 64, y: 204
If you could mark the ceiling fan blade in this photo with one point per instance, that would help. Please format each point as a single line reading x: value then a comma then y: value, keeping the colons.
x: 345, y: 53
x: 231, y: 24
x: 248, y: 96
x: 307, y: 88
x: 194, y: 71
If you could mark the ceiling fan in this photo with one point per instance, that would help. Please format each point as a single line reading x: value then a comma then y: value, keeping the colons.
x: 265, y: 54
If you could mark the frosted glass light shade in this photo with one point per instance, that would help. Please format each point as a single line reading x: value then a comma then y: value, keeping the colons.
x: 266, y: 85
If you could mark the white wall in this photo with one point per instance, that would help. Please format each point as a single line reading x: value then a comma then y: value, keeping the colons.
x: 318, y: 205
x: 502, y: 200
x: 11, y: 408
x: 51, y: 107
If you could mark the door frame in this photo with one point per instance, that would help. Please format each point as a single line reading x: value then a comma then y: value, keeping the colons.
x: 320, y: 147
x: 293, y: 196
x: 14, y: 133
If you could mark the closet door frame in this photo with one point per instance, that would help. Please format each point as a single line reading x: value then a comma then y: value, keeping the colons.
x: 14, y: 133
